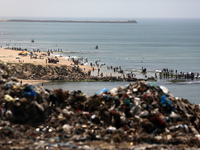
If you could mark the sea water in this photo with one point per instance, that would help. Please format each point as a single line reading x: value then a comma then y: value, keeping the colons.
x: 151, y: 43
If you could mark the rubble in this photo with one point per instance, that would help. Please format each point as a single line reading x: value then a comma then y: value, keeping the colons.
x: 137, y: 116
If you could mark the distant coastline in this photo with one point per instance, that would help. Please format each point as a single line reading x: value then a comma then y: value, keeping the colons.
x: 68, y: 21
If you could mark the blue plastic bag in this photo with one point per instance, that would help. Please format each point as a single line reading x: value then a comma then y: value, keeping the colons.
x: 105, y: 90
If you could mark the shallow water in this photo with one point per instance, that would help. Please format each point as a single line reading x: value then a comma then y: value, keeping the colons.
x: 151, y: 43
x: 188, y: 90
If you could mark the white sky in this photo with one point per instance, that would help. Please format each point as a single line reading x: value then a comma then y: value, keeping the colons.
x: 101, y: 8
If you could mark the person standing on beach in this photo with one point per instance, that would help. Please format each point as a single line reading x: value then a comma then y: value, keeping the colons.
x: 102, y: 74
x: 98, y: 71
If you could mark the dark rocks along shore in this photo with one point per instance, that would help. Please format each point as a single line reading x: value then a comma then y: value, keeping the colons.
x: 62, y: 73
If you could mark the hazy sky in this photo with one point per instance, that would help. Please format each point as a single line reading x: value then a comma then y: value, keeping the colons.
x: 101, y: 8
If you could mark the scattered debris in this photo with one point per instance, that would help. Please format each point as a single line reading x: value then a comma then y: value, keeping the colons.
x: 139, y: 115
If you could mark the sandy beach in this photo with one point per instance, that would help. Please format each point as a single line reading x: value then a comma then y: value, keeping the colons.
x: 12, y: 56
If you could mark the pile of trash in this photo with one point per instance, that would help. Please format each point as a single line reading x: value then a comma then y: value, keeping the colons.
x: 139, y: 115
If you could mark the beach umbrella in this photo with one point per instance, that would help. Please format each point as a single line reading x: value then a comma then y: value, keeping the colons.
x: 24, y: 52
x: 21, y: 53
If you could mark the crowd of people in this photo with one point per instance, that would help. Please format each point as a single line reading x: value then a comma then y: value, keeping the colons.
x: 164, y: 74
x: 169, y: 73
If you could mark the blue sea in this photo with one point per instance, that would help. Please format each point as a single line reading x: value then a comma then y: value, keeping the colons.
x: 153, y: 44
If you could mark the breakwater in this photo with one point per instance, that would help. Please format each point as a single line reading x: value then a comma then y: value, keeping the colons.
x: 71, y: 21
x: 63, y: 73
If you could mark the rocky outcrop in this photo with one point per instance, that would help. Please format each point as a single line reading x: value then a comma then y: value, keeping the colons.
x: 61, y: 73
x: 48, y: 72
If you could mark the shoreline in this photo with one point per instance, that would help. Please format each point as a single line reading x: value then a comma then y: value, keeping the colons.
x: 11, y: 56
x: 68, y: 21
x: 33, y: 82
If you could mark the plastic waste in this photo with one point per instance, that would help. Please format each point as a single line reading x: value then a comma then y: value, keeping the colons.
x: 31, y: 93
x: 103, y: 91
x: 8, y: 85
x: 9, y: 114
x: 164, y: 102
x: 8, y: 98
x: 137, y: 113
x: 165, y: 90
x: 114, y: 91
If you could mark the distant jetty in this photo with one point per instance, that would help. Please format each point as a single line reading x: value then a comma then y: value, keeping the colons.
x: 68, y: 21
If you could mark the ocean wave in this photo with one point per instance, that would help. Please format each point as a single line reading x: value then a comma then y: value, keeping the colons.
x: 71, y: 52
x: 76, y: 52
x: 189, y: 82
x: 69, y: 57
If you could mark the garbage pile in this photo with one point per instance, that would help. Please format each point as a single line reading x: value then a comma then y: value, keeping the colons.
x: 137, y: 115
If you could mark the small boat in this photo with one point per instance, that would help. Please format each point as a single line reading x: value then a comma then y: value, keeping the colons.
x: 32, y: 41
x: 97, y: 47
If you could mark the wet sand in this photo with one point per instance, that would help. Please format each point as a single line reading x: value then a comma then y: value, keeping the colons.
x: 33, y: 81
